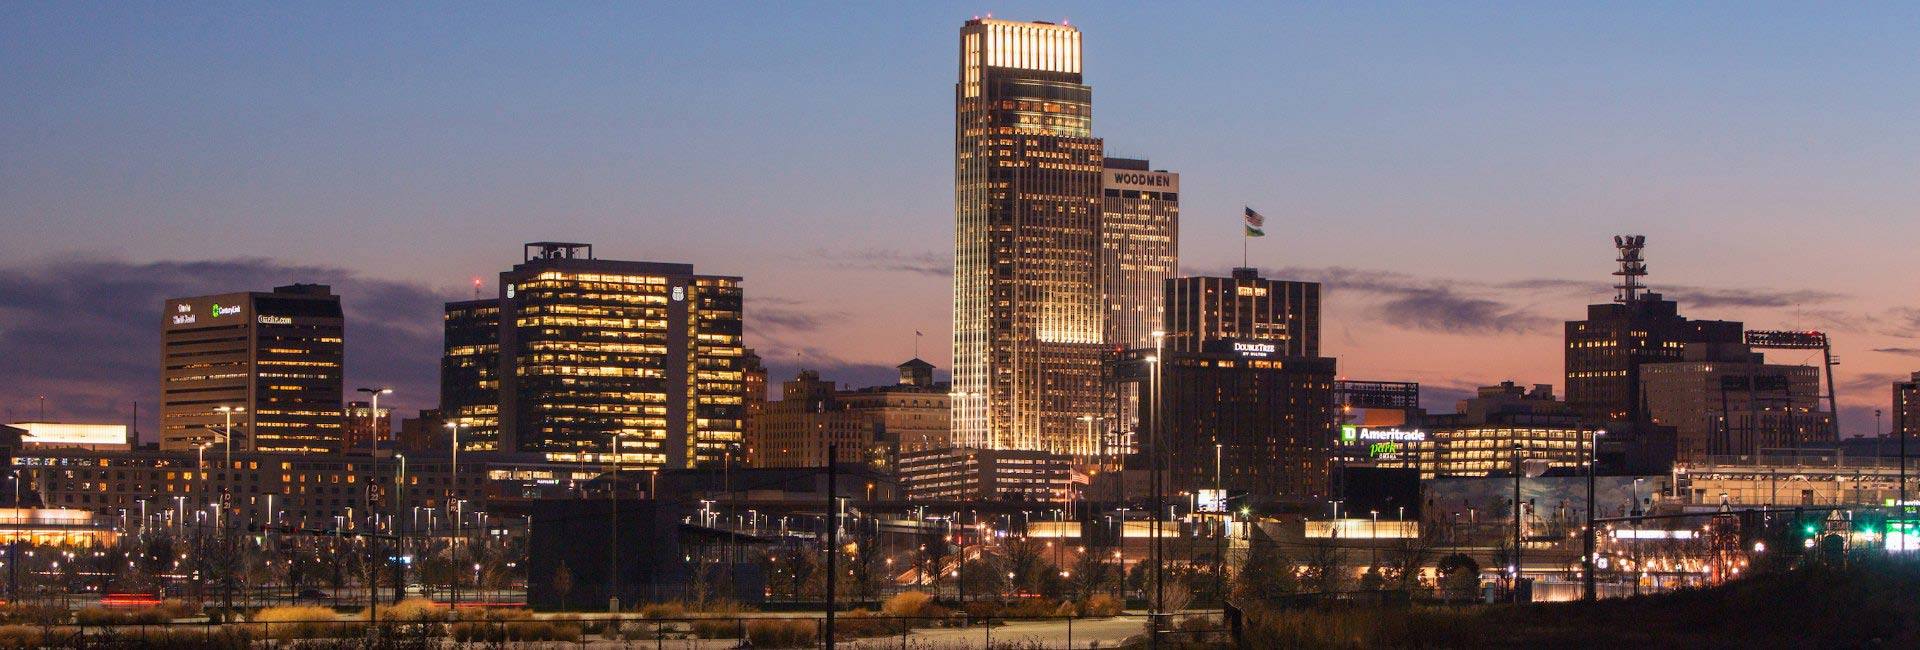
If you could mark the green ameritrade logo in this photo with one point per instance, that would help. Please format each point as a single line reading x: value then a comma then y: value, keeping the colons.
x: 227, y: 310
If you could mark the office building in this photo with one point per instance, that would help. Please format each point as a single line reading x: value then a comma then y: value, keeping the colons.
x: 872, y: 425
x: 268, y: 362
x: 1280, y: 314
x: 1605, y: 352
x: 1726, y: 400
x: 799, y: 429
x: 1006, y: 475
x: 910, y: 415
x: 364, y: 427
x: 1239, y: 414
x: 470, y: 372
x: 603, y: 361
x: 1139, y: 247
x: 1028, y: 313
x: 753, y: 387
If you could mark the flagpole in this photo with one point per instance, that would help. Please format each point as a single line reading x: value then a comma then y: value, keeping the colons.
x: 1244, y: 238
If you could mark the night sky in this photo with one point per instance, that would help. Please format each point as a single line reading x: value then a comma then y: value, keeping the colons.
x: 1453, y: 171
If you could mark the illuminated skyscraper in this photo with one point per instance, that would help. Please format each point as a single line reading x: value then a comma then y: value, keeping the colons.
x: 597, y: 353
x: 470, y: 373
x: 1028, y: 317
x: 273, y: 359
x: 1139, y: 248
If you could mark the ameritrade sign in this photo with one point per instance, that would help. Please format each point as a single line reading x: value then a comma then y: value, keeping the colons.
x: 1125, y: 179
x: 1355, y: 434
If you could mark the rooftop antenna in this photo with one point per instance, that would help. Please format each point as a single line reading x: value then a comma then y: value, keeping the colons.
x: 1632, y: 267
x: 476, y: 288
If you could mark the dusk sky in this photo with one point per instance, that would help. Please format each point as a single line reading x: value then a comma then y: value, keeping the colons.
x: 1453, y: 172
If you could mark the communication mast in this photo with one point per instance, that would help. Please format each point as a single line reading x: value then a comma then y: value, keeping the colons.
x: 1632, y: 267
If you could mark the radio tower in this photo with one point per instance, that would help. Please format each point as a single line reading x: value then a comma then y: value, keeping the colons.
x: 1632, y: 268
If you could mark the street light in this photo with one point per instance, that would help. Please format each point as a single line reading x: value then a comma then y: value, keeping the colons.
x: 1517, y: 473
x: 1588, y: 591
x: 1159, y: 491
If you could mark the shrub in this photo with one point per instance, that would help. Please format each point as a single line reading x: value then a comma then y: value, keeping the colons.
x: 176, y: 608
x: 414, y: 609
x: 34, y: 614
x: 1031, y: 608
x: 716, y: 628
x: 782, y: 632
x: 304, y: 621
x: 907, y: 604
x: 639, y: 631
x: 495, y: 614
x: 107, y: 616
x: 187, y: 638
x: 477, y: 632
x: 663, y: 610
x: 980, y: 609
x: 1102, y: 605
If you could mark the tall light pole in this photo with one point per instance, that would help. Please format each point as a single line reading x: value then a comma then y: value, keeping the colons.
x: 227, y: 470
x: 373, y: 426
x: 1159, y: 490
x: 1516, y: 520
x: 1588, y: 591
x: 453, y: 478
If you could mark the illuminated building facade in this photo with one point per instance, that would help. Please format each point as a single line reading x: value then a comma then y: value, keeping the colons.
x: 1269, y: 419
x: 60, y: 435
x: 1282, y: 313
x: 1479, y: 439
x: 1028, y: 314
x: 470, y: 372
x: 1727, y: 407
x: 606, y: 361
x: 1139, y: 247
x: 958, y: 475
x: 274, y: 358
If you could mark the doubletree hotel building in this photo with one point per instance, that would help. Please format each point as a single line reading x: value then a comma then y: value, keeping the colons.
x: 599, y: 361
x: 273, y: 360
x: 1241, y: 413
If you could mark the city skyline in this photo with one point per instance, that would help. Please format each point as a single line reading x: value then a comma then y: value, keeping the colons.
x: 1425, y: 282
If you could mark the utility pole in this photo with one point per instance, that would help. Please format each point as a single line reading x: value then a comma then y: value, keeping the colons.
x: 833, y: 538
